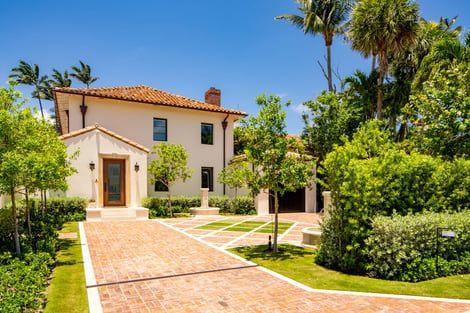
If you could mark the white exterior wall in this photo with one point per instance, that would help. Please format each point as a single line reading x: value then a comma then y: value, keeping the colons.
x: 135, y: 121
x: 93, y: 146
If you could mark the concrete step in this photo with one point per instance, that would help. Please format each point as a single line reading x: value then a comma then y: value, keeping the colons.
x: 116, y: 214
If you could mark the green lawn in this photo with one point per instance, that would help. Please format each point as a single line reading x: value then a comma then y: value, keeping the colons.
x: 245, y: 226
x: 297, y: 263
x: 67, y: 292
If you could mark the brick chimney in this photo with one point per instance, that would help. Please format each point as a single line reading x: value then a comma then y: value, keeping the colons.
x: 212, y: 96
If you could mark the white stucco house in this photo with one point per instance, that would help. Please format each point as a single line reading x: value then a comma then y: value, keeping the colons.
x: 114, y: 130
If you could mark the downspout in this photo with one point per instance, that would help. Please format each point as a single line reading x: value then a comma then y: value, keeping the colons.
x: 224, y: 127
x: 83, y: 109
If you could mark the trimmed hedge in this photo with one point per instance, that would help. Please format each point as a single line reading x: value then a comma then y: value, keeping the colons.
x: 22, y: 281
x: 65, y: 209
x: 404, y: 247
x: 158, y: 206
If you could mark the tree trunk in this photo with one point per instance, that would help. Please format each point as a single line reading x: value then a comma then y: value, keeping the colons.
x: 43, y: 211
x: 374, y: 61
x: 40, y: 106
x: 380, y: 81
x: 28, y: 213
x: 276, y: 219
x: 328, y: 64
x: 45, y: 200
x: 16, y: 234
x: 169, y: 202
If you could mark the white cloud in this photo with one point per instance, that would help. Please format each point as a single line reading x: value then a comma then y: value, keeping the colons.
x: 300, y: 109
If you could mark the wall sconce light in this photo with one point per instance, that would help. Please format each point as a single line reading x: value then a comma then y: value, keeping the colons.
x: 92, y: 166
x: 136, y: 167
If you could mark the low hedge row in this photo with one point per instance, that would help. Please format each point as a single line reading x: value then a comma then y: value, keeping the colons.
x: 404, y: 247
x: 158, y: 206
x: 23, y: 280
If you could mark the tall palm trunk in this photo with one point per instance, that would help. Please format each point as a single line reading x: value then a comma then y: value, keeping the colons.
x: 276, y: 221
x: 38, y: 92
x: 16, y: 235
x: 382, y: 71
x: 374, y: 62
x: 329, y: 72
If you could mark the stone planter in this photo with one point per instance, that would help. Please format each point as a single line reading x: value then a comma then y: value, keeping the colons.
x: 311, y: 236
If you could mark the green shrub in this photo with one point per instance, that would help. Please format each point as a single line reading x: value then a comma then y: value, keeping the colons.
x: 371, y: 176
x: 23, y: 281
x: 65, y: 209
x: 404, y: 247
x: 158, y: 206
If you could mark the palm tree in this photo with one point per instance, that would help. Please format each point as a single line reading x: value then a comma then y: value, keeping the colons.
x: 324, y: 17
x: 58, y: 80
x: 384, y: 27
x: 441, y: 56
x: 360, y: 88
x: 28, y: 74
x: 83, y: 74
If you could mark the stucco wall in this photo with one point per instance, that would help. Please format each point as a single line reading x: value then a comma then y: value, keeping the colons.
x: 135, y: 121
x: 92, y: 147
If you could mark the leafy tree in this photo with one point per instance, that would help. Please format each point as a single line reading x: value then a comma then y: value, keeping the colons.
x: 28, y: 74
x: 441, y: 113
x: 236, y: 175
x: 239, y: 140
x: 11, y: 158
x: 329, y: 118
x: 32, y: 157
x: 383, y: 27
x: 325, y: 17
x: 276, y: 167
x: 169, y: 166
x: 83, y: 74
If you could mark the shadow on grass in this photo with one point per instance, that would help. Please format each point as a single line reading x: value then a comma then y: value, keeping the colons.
x: 65, y: 246
x: 286, y: 252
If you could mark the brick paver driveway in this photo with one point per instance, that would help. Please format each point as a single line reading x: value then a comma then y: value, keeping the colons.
x: 149, y: 267
x: 231, y: 239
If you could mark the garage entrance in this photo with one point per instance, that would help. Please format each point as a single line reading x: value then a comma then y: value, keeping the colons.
x: 289, y: 202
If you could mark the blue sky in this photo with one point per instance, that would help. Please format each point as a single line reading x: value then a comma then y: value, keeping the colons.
x: 184, y: 46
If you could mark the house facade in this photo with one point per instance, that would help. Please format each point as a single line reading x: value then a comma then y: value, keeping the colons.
x: 114, y: 130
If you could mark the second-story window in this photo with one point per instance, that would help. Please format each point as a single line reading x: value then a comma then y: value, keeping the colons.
x: 160, y: 129
x: 207, y: 134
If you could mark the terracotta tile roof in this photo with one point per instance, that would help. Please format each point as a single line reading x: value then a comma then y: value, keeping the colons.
x: 147, y: 95
x: 106, y: 131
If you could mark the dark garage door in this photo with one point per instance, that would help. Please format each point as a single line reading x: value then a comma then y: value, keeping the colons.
x: 289, y: 202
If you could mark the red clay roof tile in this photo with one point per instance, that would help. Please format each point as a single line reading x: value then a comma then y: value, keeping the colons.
x: 147, y: 95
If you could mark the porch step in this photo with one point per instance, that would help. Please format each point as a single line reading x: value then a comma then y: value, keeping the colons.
x: 116, y: 214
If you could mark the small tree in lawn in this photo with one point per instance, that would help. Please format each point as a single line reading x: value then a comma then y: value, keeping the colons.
x: 11, y: 157
x: 277, y: 164
x: 169, y: 166
x: 236, y: 175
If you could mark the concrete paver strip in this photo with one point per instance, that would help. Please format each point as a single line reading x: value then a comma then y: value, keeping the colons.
x: 123, y: 251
